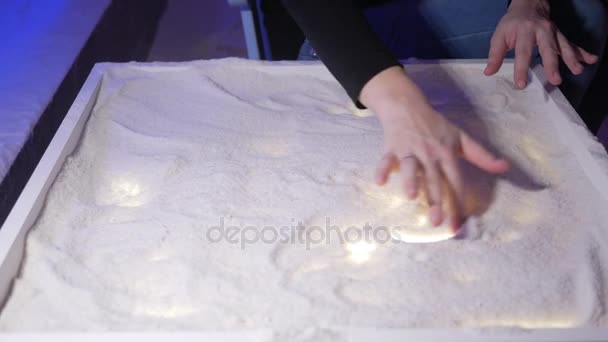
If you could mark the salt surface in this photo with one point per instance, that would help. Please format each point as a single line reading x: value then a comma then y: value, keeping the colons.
x: 128, y: 236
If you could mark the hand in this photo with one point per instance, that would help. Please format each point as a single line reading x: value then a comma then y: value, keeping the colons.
x: 526, y: 25
x: 420, y: 141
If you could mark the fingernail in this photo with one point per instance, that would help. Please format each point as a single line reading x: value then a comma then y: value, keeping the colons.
x: 521, y: 84
x: 557, y: 77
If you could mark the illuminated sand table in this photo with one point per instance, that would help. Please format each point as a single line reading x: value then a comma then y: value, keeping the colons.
x: 131, y: 234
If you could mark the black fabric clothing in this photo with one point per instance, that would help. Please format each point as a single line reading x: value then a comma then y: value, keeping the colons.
x: 284, y: 36
x: 354, y: 54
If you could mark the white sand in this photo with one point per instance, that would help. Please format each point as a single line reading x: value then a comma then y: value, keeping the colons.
x: 122, y: 242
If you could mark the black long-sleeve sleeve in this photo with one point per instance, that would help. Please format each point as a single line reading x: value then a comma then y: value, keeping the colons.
x: 343, y: 39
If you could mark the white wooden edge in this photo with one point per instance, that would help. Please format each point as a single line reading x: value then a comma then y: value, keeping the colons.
x: 565, y: 120
x: 28, y: 206
x: 349, y: 334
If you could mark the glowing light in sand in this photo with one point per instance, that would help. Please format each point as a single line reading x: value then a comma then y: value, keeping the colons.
x: 535, y: 151
x: 465, y: 277
x: 525, y: 323
x: 395, y: 201
x: 126, y: 193
x: 361, y: 251
x: 422, y: 220
x: 527, y: 215
x: 362, y: 113
x: 165, y: 312
x: 422, y: 231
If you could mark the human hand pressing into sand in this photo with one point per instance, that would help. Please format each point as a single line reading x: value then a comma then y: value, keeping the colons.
x: 527, y: 24
x: 418, y: 140
x: 423, y: 145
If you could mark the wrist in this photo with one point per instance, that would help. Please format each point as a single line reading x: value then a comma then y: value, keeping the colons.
x: 538, y: 6
x: 391, y: 93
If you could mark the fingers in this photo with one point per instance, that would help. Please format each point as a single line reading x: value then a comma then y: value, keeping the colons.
x: 480, y: 157
x: 433, y: 189
x: 498, y: 49
x: 569, y: 55
x: 451, y: 170
x: 523, y: 54
x: 409, y: 171
x: 549, y: 53
x: 586, y: 56
x: 385, y: 166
